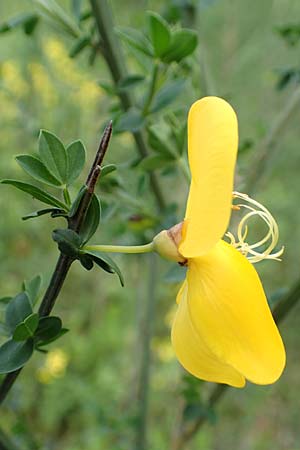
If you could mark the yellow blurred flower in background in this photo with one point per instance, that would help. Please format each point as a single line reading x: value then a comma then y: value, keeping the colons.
x: 54, y: 367
x: 13, y: 79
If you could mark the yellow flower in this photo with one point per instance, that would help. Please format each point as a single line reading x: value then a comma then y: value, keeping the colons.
x: 223, y: 330
x: 54, y: 366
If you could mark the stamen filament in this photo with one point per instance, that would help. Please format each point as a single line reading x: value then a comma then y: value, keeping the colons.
x: 255, y: 209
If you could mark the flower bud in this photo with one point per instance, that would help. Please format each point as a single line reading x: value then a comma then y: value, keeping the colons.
x: 166, y: 243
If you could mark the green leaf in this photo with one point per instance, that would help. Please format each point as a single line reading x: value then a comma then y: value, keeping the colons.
x: 25, y: 20
x: 52, y: 11
x: 136, y: 40
x: 69, y: 242
x: 159, y: 142
x: 183, y: 44
x: 76, y: 155
x: 109, y: 266
x: 3, y: 330
x: 109, y: 168
x: 13, y: 355
x: 17, y: 310
x: 154, y: 162
x: 167, y: 94
x: 76, y: 9
x: 130, y: 82
x: 55, y: 212
x: 48, y: 328
x: 131, y: 120
x: 91, y: 220
x: 36, y: 192
x: 32, y: 288
x: 35, y: 168
x: 5, y: 300
x: 108, y: 88
x: 159, y: 32
x: 77, y: 200
x: 290, y: 33
x: 27, y: 328
x: 48, y: 341
x: 86, y: 261
x: 80, y: 44
x: 21, y: 333
x: 30, y: 25
x: 54, y: 155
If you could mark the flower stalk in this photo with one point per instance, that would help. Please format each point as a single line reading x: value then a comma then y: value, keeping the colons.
x: 147, y: 248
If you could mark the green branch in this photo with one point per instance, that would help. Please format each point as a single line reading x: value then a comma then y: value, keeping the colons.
x: 145, y: 335
x: 64, y: 262
x: 116, y: 63
x: 269, y: 144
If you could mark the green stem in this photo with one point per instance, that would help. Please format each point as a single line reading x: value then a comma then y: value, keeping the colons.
x: 261, y: 163
x: 152, y: 89
x: 117, y: 66
x: 147, y: 248
x: 182, y: 164
x: 67, y: 197
x: 146, y: 328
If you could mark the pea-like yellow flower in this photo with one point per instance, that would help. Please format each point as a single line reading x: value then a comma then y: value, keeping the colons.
x: 223, y: 330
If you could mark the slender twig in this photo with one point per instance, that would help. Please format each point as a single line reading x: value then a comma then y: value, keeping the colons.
x: 64, y: 262
x: 267, y: 148
x: 152, y: 88
x: 145, y: 335
x: 187, y: 432
x: 116, y: 63
x: 101, y: 151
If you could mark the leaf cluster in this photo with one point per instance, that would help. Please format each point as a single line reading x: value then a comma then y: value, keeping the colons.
x: 24, y: 329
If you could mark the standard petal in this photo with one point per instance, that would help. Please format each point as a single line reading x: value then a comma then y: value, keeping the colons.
x: 230, y: 313
x: 212, y: 149
x: 193, y: 353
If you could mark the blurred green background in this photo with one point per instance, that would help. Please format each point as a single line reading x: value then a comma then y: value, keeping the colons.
x: 83, y: 393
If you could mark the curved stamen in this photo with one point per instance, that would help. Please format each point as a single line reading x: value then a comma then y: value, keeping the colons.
x: 270, y: 239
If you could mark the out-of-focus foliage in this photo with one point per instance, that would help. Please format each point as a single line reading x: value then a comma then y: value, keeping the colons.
x: 82, y: 393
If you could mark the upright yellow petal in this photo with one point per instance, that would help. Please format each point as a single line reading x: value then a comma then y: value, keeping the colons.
x: 230, y: 313
x: 212, y: 149
x: 192, y: 351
